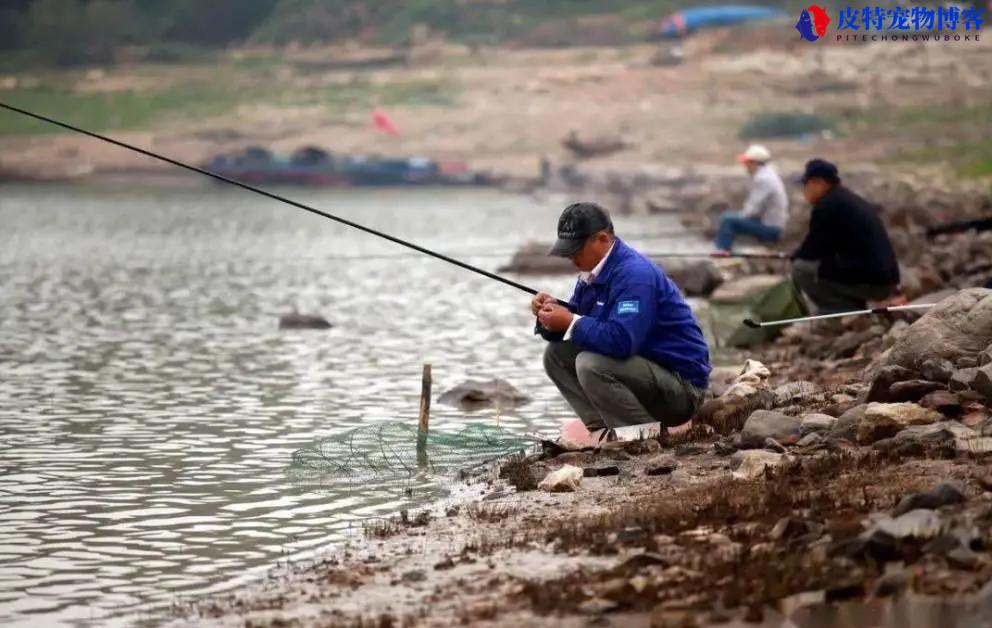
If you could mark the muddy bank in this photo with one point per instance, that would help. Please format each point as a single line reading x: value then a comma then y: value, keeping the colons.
x: 816, y: 487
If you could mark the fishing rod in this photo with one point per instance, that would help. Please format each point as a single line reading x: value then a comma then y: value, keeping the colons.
x: 280, y: 198
x: 510, y: 254
x: 781, y: 256
x: 875, y: 310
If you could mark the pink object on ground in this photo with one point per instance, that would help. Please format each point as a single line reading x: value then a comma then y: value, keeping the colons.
x: 574, y: 435
x: 681, y: 429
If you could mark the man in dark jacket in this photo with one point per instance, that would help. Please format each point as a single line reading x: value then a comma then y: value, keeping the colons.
x: 627, y: 351
x: 846, y: 259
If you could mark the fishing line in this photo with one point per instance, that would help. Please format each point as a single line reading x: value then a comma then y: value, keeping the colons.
x: 277, y: 197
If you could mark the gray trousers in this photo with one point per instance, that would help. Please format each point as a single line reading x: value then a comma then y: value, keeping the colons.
x: 830, y: 297
x: 607, y: 392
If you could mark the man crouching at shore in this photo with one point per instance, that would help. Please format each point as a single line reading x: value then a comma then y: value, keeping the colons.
x: 627, y: 353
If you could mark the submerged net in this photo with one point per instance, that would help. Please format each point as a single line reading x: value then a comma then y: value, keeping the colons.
x: 389, y: 450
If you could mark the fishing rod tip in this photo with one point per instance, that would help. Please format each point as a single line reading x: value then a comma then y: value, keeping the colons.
x: 751, y: 323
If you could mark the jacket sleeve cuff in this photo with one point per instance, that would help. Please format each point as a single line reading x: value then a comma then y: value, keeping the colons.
x: 568, y: 332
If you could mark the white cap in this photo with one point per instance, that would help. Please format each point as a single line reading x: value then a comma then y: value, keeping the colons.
x: 755, y: 152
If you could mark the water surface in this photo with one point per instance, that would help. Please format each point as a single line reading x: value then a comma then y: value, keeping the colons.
x: 149, y: 404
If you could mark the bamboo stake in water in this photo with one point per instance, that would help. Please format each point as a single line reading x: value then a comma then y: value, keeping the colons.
x: 425, y: 415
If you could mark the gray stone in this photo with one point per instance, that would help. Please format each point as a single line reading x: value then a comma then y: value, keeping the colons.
x: 893, y: 582
x: 960, y: 325
x: 848, y: 343
x: 936, y: 369
x: 597, y: 606
x: 794, y: 391
x: 962, y: 379
x: 744, y: 288
x: 846, y: 427
x: 810, y: 440
x: 985, y: 357
x: 912, y: 390
x: 966, y: 362
x: 816, y: 423
x: 694, y: 277
x: 660, y: 465
x: 773, y: 445
x: 917, y: 524
x: 945, y: 402
x: 764, y: 424
x: 917, y: 439
x: 882, y: 420
x: 943, y: 494
x: 295, y: 320
x: 882, y: 382
x: 975, y: 445
x: 495, y: 392
x: 752, y: 463
x: 983, y: 381
x: 533, y: 257
x: 964, y: 558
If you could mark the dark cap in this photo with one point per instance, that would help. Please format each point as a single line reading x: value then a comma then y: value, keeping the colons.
x: 576, y: 224
x: 820, y: 169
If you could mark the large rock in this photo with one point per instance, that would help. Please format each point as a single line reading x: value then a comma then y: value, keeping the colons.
x: 882, y: 420
x: 960, y: 325
x: 696, y: 278
x: 764, y: 424
x: 533, y: 258
x: 743, y: 289
x: 475, y: 394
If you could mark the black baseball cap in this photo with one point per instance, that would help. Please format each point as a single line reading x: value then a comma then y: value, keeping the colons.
x: 820, y: 169
x: 576, y: 224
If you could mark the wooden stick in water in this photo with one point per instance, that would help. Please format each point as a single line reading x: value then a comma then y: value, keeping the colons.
x: 425, y: 415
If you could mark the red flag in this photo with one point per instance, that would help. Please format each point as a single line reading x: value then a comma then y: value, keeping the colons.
x: 384, y: 123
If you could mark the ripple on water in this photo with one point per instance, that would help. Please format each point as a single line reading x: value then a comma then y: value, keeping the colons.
x: 150, y: 404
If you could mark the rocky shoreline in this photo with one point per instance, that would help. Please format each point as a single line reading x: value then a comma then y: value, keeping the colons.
x: 854, y: 489
x: 844, y: 464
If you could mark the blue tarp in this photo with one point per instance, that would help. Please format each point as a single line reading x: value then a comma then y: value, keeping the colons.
x: 688, y: 20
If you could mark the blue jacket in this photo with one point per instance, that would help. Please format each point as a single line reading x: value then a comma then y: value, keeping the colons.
x: 633, y: 308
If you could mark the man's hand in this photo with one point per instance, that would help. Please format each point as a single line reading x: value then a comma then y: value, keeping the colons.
x: 554, y: 318
x: 539, y: 301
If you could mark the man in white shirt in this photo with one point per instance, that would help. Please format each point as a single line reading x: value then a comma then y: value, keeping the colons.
x: 766, y: 209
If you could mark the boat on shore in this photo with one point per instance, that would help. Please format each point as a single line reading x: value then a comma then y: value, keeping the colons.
x: 314, y: 166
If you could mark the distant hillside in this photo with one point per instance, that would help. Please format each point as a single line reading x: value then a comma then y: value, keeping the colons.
x: 84, y: 32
